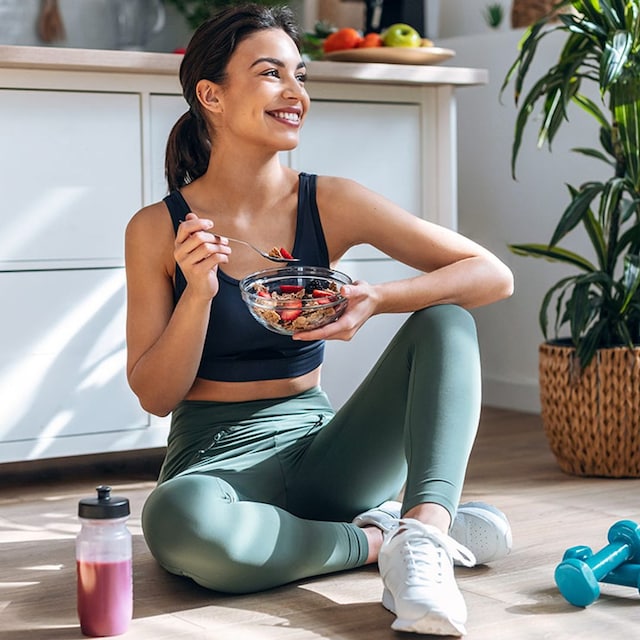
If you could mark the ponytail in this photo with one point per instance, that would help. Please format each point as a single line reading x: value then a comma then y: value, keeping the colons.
x: 187, y: 152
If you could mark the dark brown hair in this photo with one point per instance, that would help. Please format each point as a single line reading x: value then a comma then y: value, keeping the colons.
x: 206, y: 58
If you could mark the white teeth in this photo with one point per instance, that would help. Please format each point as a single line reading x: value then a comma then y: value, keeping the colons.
x: 286, y: 115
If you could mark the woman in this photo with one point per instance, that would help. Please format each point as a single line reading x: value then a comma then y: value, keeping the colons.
x: 263, y: 483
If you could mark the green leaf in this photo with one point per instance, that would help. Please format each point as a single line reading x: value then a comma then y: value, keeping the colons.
x: 630, y: 238
x: 575, y: 212
x: 579, y: 308
x: 614, y: 21
x: 606, y: 142
x: 614, y: 58
x: 630, y: 280
x: 543, y: 316
x: 553, y: 254
x: 625, y: 99
x: 587, y: 347
x: 632, y: 19
x: 594, y: 153
x: 592, y: 109
x: 596, y: 236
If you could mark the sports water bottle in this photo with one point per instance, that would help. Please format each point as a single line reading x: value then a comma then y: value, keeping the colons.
x: 104, y: 565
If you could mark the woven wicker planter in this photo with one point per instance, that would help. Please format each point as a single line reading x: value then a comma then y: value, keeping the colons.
x: 592, y: 422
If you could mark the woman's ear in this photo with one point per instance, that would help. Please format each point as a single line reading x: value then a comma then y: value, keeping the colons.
x: 209, y: 95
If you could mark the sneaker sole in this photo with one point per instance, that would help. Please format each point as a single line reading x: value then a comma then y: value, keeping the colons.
x: 429, y: 624
x: 500, y: 546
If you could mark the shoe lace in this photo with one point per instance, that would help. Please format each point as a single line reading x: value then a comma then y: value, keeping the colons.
x: 426, y: 550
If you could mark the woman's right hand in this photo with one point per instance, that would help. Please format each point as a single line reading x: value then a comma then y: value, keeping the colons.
x: 198, y: 253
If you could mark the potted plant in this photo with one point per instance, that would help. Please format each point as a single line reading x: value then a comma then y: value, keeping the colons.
x: 590, y: 374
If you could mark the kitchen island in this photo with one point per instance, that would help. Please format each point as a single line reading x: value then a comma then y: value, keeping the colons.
x: 83, y: 134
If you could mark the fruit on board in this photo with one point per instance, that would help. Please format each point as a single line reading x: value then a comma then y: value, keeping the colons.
x: 371, y: 40
x: 401, y: 35
x: 345, y: 38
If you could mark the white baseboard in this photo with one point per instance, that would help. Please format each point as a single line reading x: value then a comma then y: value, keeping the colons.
x: 507, y: 394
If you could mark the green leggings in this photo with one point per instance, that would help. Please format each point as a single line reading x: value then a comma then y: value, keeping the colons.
x: 258, y: 494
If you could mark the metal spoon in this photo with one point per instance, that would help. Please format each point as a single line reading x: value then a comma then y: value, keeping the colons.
x: 263, y: 253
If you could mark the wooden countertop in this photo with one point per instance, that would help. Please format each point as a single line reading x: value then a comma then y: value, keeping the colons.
x: 97, y: 60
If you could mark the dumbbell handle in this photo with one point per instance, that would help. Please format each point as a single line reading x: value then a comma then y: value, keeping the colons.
x: 626, y: 575
x: 608, y: 558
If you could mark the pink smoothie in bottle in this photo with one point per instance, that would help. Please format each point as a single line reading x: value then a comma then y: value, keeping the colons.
x: 105, y: 598
x: 104, y: 565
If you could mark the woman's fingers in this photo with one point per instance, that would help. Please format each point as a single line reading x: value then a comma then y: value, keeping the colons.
x: 195, y: 243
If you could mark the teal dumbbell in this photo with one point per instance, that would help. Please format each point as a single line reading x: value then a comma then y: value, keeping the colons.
x: 578, y: 574
x: 626, y: 575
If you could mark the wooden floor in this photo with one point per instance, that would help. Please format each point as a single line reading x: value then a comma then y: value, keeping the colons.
x: 515, y: 598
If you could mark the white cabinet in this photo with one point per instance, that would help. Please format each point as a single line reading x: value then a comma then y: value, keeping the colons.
x: 71, y: 176
x: 61, y: 375
x: 83, y: 135
x: 73, y: 171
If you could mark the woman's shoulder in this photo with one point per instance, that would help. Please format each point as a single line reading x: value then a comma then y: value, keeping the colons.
x: 336, y: 193
x: 150, y: 217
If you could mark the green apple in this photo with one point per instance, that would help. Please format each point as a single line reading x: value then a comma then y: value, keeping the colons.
x: 401, y: 35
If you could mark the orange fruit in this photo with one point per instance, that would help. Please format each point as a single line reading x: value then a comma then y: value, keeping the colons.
x: 345, y: 38
x: 370, y: 40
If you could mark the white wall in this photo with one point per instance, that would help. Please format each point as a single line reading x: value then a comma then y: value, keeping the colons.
x: 466, y: 17
x: 496, y: 210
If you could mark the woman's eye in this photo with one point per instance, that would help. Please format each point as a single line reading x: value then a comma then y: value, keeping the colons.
x: 302, y: 78
x: 272, y: 72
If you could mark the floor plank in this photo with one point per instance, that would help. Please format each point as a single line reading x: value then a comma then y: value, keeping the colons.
x: 516, y: 598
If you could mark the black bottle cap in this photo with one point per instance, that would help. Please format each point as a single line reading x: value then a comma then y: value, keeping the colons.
x: 104, y: 507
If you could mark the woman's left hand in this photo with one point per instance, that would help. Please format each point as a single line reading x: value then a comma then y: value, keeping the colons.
x: 361, y: 305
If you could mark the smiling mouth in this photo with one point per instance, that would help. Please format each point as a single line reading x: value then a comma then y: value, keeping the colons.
x: 286, y: 116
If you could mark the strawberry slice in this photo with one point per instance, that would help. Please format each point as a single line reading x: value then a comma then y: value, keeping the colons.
x: 322, y: 293
x: 285, y: 254
x: 293, y: 308
x: 264, y: 294
x: 290, y: 288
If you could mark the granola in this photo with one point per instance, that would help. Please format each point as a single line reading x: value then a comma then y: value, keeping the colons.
x: 289, y: 308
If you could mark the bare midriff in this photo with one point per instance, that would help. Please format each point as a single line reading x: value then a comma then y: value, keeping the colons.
x: 218, y: 391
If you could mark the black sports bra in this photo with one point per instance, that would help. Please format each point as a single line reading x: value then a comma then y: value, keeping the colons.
x: 236, y: 347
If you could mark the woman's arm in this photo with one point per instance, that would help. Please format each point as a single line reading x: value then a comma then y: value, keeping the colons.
x: 454, y: 269
x: 164, y: 344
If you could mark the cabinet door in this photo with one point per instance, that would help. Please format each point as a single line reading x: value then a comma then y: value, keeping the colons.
x: 62, y: 373
x: 71, y: 176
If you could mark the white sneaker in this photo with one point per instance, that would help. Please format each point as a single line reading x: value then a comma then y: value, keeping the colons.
x: 478, y: 526
x: 416, y: 565
x: 483, y: 529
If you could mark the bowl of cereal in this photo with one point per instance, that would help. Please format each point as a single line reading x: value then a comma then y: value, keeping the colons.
x: 295, y: 298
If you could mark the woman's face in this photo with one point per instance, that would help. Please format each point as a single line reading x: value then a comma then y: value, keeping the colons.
x: 263, y: 99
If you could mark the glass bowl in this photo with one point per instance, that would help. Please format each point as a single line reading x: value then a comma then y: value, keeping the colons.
x: 295, y: 298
